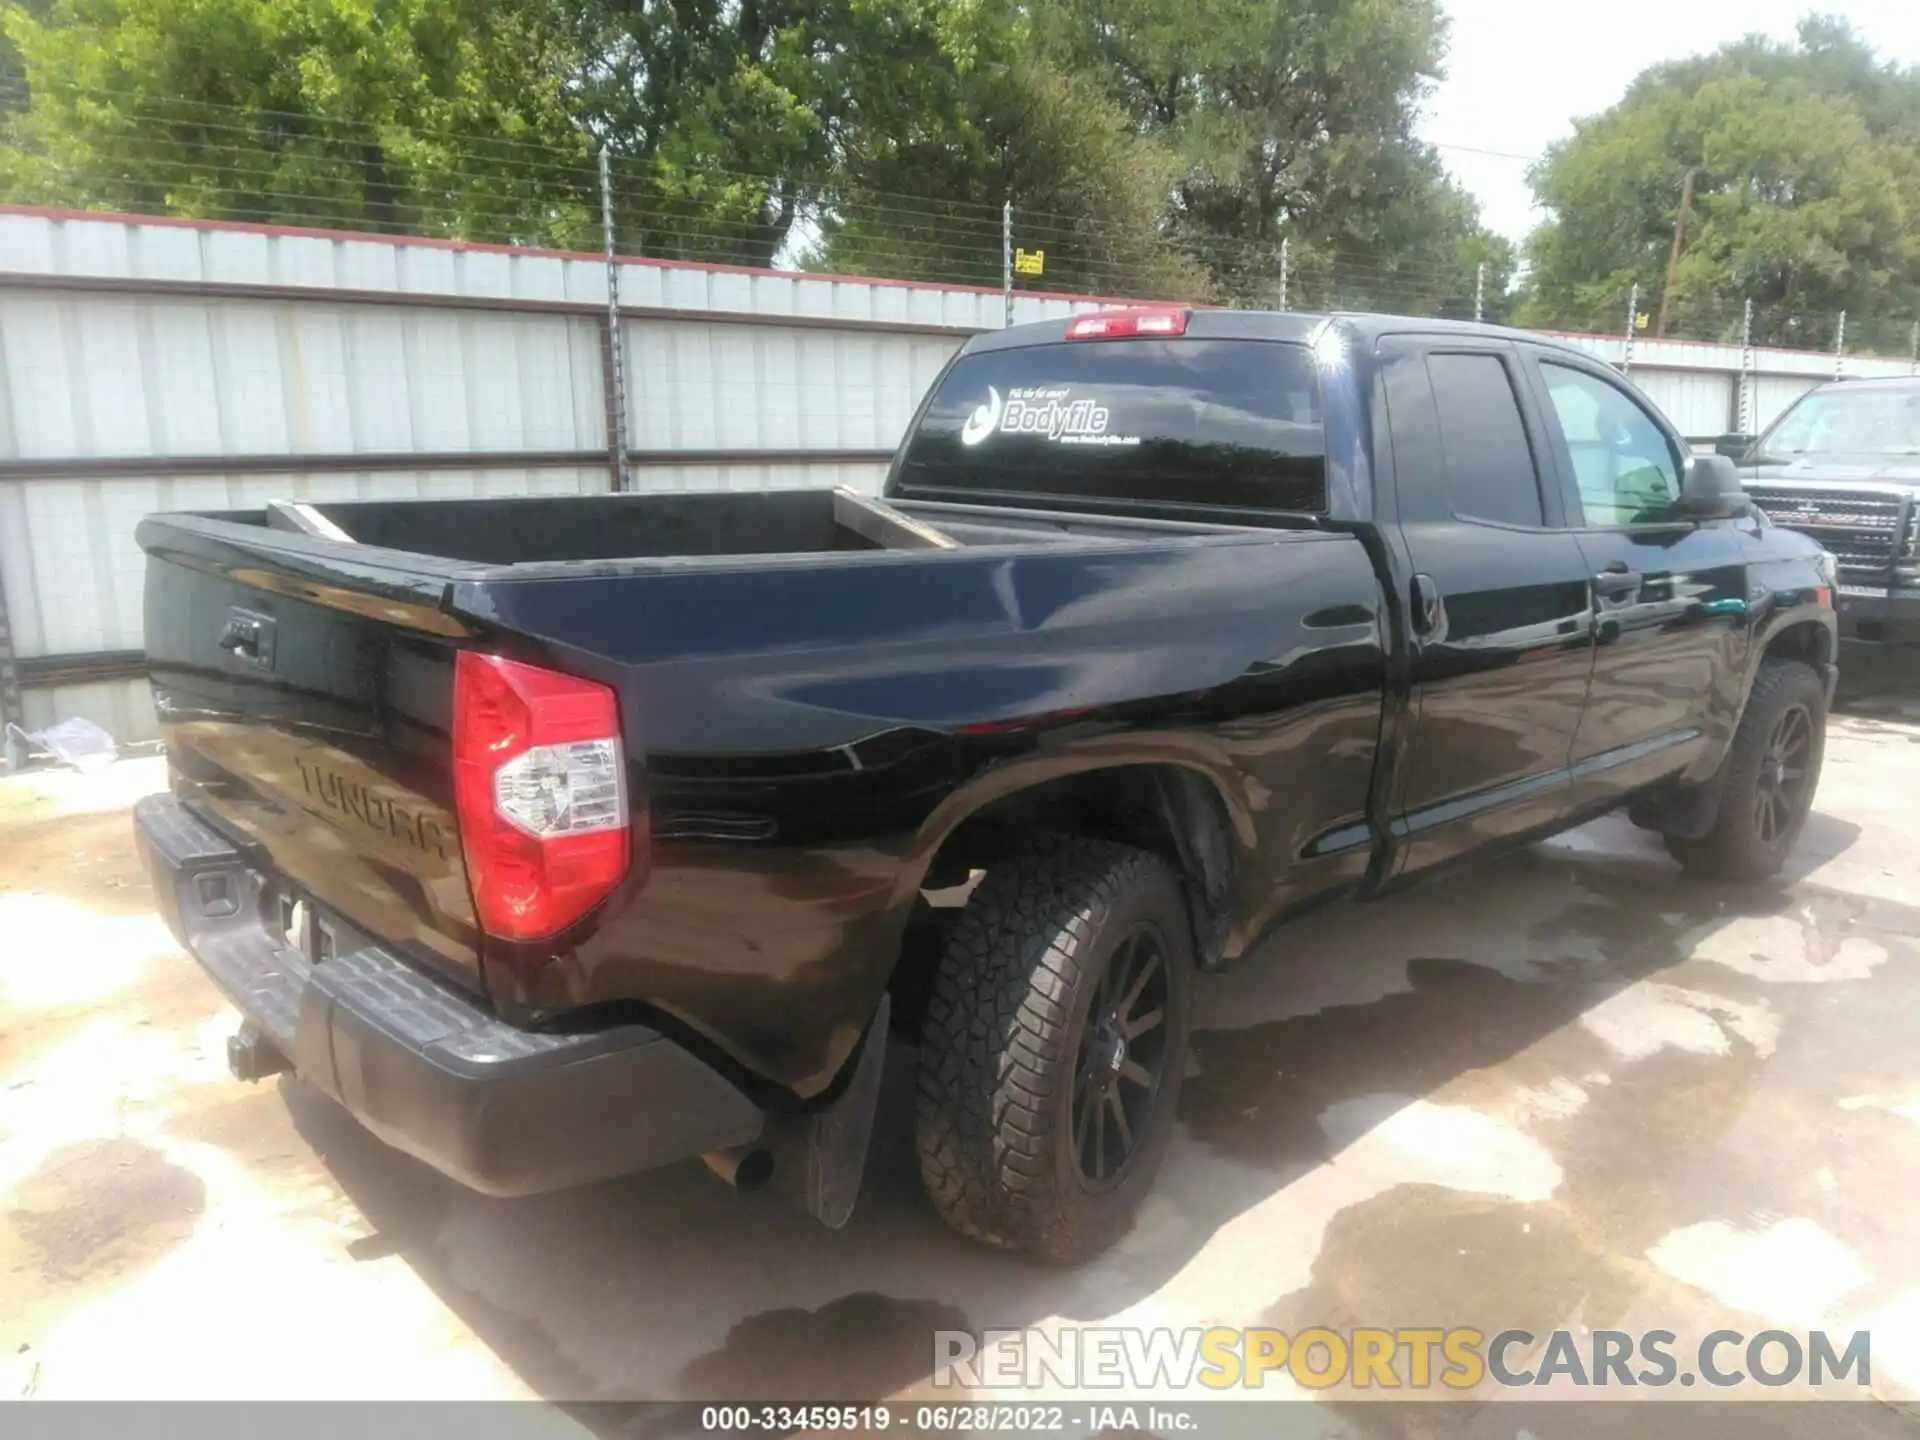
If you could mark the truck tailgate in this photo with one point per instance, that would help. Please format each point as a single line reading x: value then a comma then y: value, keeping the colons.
x: 307, y: 716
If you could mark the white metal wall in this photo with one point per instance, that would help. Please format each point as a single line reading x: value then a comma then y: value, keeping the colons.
x: 1695, y: 383
x: 103, y: 375
x: 123, y: 708
x: 74, y: 573
x: 1698, y: 403
x: 136, y: 339
x: 695, y: 385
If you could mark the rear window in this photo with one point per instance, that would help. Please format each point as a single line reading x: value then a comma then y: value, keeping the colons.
x: 1199, y: 422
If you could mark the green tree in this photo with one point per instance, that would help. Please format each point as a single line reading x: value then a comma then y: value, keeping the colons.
x: 975, y: 119
x: 1291, y: 119
x: 877, y: 136
x: 1147, y: 148
x: 1806, y: 197
x: 727, y: 122
x: 423, y: 116
x: 722, y: 115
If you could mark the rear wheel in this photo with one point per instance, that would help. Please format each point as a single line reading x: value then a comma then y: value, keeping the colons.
x: 1771, y: 772
x: 1055, y: 1038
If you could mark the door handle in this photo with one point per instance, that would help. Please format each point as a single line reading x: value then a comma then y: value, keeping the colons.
x: 1616, y: 580
x: 1429, y: 614
x: 248, y: 636
x: 241, y: 637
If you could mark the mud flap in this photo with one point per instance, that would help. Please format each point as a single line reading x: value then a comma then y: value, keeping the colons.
x: 1687, y: 813
x: 819, y: 1159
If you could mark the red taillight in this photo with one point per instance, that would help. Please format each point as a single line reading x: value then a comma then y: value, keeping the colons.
x: 539, y: 781
x: 1122, y: 324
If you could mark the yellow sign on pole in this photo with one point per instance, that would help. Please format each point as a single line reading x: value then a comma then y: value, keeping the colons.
x: 1029, y: 262
x: 1640, y: 321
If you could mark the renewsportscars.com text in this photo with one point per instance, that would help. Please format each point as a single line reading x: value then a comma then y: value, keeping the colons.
x: 1364, y: 1358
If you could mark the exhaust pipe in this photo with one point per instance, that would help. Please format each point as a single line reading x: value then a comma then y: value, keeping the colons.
x: 251, y: 1056
x: 822, y: 1155
x: 745, y: 1167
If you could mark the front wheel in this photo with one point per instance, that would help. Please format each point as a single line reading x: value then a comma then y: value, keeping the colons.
x: 1054, y: 1043
x: 1771, y: 771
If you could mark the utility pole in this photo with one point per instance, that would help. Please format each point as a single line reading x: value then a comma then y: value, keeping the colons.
x: 616, y: 346
x: 1914, y: 348
x: 1286, y: 271
x: 1673, y: 255
x: 1006, y: 255
x: 1840, y: 349
x: 1479, y: 291
x: 1633, y: 317
x: 12, y: 712
x: 1746, y: 369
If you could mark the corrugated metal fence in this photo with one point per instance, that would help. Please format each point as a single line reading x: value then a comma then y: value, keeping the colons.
x: 151, y: 364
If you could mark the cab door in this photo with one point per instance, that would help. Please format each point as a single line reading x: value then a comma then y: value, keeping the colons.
x: 1669, y: 592
x: 1502, y: 619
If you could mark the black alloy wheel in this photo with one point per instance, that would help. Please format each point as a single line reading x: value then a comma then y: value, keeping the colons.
x: 1121, y: 1059
x: 1786, y: 768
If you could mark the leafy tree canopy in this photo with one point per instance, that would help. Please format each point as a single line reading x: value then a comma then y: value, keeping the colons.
x: 1805, y: 159
x: 1294, y: 120
x: 1148, y: 147
x: 424, y: 116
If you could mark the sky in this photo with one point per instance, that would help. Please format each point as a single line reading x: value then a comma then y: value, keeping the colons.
x: 1520, y: 71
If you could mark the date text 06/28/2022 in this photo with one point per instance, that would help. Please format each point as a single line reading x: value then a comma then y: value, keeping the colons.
x: 967, y: 1418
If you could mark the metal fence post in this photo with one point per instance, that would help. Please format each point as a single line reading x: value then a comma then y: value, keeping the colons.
x: 616, y: 341
x: 1479, y: 292
x: 1745, y: 382
x: 1840, y: 349
x: 12, y: 712
x: 1286, y: 271
x: 1633, y: 318
x: 1006, y: 255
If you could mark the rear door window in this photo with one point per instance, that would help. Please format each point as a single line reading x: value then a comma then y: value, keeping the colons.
x: 1489, y: 464
x: 1186, y: 421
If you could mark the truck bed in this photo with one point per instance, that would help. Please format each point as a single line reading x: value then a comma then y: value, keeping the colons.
x: 796, y: 701
x: 535, y: 530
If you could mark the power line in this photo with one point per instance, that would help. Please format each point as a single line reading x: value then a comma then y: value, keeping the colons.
x: 321, y: 129
x: 1481, y: 150
x: 194, y: 157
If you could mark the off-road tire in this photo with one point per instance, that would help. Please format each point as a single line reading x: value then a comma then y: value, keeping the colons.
x: 1001, y: 1045
x: 1739, y: 846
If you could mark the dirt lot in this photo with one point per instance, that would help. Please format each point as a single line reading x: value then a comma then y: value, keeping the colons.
x: 1574, y: 1089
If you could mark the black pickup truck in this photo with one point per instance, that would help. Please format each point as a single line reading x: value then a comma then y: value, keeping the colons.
x: 1842, y: 464
x: 563, y: 838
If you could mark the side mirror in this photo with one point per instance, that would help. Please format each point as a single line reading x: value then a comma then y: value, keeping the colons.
x: 1710, y: 488
x: 1734, y: 447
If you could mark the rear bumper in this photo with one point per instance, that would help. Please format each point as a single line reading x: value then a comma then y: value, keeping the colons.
x: 503, y: 1110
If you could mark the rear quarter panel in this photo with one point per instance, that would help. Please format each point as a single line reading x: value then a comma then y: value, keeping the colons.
x: 812, y: 732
